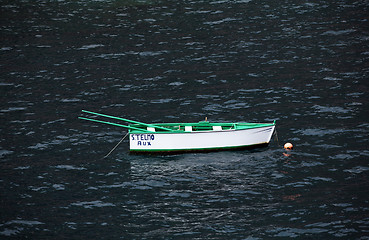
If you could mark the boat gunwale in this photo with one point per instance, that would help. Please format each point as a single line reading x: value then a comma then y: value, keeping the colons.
x: 233, y: 127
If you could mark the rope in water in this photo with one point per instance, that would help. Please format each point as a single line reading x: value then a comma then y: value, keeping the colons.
x: 116, y: 146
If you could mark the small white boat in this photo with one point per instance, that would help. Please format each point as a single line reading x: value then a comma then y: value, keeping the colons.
x: 189, y: 137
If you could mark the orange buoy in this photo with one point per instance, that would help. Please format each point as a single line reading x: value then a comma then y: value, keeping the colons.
x: 288, y: 146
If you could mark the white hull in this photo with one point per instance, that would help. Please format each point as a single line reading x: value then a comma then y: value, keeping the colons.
x: 200, y: 141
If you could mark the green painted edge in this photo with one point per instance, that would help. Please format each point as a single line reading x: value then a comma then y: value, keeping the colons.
x: 238, y: 127
x: 197, y: 149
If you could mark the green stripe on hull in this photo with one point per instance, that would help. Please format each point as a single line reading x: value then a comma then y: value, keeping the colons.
x: 175, y: 151
x: 179, y: 127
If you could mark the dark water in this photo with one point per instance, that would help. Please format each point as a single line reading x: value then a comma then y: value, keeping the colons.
x: 302, y: 63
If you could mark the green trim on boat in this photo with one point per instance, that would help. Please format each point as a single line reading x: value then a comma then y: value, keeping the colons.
x: 200, y: 127
x: 198, y: 149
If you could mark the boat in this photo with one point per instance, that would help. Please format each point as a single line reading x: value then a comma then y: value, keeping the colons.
x: 201, y: 136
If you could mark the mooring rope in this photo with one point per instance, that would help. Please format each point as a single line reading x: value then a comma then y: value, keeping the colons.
x: 116, y: 146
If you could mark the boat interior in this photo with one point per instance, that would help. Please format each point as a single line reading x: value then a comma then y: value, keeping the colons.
x: 197, y: 127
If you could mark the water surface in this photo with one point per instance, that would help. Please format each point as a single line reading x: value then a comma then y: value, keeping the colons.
x: 303, y: 64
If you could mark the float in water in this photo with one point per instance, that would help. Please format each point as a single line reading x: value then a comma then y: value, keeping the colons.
x: 202, y: 136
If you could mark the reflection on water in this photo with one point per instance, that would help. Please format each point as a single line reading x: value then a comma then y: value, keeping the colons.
x: 302, y: 64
